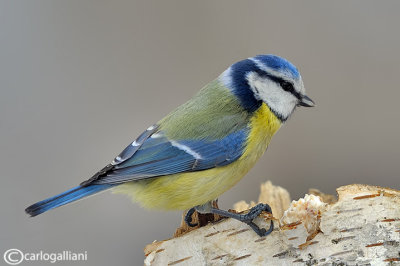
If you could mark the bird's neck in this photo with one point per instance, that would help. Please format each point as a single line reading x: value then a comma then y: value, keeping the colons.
x: 263, y: 125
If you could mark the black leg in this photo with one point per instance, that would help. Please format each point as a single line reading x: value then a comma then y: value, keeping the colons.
x: 188, y: 217
x: 248, y: 217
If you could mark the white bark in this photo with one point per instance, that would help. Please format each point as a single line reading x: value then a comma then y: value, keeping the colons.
x: 361, y: 228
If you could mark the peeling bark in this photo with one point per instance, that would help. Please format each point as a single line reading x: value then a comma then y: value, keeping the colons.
x: 361, y: 228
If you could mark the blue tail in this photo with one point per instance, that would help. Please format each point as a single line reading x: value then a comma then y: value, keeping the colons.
x: 66, y: 197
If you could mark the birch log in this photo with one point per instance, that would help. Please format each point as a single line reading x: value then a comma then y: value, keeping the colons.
x: 361, y: 228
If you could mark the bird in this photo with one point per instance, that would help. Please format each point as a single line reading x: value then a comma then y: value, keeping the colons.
x: 205, y: 146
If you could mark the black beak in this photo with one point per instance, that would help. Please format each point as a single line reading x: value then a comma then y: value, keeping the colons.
x: 306, y: 101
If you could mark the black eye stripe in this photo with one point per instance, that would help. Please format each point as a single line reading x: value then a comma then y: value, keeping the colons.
x: 285, y: 85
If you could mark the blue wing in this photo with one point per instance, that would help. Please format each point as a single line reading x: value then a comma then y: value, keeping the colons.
x: 153, y: 154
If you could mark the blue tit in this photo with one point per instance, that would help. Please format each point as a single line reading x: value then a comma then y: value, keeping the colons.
x: 205, y: 146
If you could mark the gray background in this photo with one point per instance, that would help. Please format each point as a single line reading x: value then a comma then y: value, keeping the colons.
x: 79, y: 80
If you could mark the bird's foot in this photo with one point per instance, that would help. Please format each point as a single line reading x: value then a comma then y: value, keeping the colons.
x: 249, y: 217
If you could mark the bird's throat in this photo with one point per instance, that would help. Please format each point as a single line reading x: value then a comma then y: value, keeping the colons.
x: 263, y: 125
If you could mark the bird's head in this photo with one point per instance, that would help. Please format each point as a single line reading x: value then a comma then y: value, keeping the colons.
x: 270, y: 79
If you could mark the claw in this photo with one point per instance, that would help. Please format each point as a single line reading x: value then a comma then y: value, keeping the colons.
x: 188, y: 218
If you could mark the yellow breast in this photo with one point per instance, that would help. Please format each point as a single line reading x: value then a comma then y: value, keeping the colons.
x: 186, y: 190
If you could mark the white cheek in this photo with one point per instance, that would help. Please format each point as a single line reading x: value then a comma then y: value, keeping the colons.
x: 280, y: 101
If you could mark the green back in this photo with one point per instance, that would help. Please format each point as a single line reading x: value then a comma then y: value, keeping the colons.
x: 213, y: 113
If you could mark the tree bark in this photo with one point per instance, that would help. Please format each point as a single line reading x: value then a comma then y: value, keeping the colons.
x: 361, y: 228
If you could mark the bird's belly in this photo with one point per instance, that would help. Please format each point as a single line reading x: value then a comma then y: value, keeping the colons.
x: 183, y: 191
x: 186, y: 190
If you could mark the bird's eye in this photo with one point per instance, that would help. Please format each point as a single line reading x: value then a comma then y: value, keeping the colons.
x: 287, y: 86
